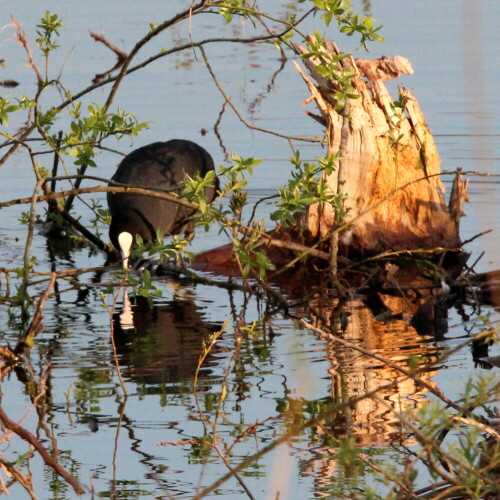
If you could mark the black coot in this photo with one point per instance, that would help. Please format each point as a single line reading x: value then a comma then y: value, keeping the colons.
x: 160, y: 165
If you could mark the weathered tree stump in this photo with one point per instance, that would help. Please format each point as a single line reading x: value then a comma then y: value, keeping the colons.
x: 391, y: 167
x: 388, y: 170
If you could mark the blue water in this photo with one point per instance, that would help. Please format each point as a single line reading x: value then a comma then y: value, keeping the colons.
x: 109, y: 440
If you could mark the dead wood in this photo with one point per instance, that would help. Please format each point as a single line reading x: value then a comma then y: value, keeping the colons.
x: 384, y: 69
x: 388, y: 169
x: 458, y: 196
x: 388, y: 145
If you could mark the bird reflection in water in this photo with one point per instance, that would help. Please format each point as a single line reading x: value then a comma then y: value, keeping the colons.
x: 161, y: 344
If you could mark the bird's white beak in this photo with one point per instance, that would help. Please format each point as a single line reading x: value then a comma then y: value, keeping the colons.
x: 125, y: 241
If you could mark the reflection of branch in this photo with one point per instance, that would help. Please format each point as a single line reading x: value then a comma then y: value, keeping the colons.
x: 8, y: 355
x: 18, y: 476
x: 403, y: 483
x: 33, y: 440
x: 217, y: 133
x: 252, y: 459
x: 218, y: 411
x: 36, y: 323
x: 193, y: 9
x: 269, y: 87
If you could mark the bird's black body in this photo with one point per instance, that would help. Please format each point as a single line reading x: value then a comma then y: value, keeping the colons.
x: 161, y: 165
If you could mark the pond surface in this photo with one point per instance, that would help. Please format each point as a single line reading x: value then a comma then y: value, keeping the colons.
x: 145, y: 443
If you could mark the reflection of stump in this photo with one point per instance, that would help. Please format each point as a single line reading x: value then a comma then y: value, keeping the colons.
x: 386, y: 145
x: 374, y: 420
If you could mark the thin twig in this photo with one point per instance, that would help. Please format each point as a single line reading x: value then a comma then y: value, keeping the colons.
x: 21, y: 37
x: 237, y: 112
x: 476, y: 236
x: 18, y: 476
x: 120, y: 55
x: 47, y: 458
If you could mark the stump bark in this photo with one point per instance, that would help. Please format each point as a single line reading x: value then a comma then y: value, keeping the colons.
x: 390, y: 165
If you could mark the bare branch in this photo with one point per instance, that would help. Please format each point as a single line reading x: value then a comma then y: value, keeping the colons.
x: 33, y: 440
x: 121, y: 56
x: 239, y: 115
x: 21, y: 38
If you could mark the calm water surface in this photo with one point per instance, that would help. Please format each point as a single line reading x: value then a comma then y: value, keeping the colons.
x: 111, y: 441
